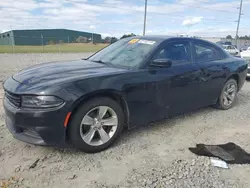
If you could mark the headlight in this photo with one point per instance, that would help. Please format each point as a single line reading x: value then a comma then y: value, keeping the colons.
x: 40, y: 101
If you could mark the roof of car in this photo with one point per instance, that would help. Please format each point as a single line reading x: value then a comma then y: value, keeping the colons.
x: 162, y: 37
x: 165, y: 37
x: 228, y: 45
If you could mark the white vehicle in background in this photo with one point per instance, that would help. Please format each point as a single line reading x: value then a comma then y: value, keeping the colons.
x: 244, y: 48
x: 246, y: 56
x: 231, y: 50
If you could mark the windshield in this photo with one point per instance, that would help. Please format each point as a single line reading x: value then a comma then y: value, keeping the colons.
x: 126, y: 52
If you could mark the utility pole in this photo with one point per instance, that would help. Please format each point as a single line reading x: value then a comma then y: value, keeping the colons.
x: 145, y: 17
x: 42, y: 42
x: 236, y: 37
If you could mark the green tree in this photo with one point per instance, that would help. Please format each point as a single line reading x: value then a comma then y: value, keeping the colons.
x: 229, y: 37
x: 113, y: 39
x: 107, y: 40
x: 128, y: 35
x: 245, y: 37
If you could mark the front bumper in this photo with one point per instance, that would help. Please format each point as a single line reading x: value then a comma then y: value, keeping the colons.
x: 40, y: 127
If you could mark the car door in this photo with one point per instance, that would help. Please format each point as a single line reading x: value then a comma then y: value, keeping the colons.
x: 210, y: 60
x: 229, y: 49
x: 232, y: 50
x: 177, y: 87
x: 236, y: 51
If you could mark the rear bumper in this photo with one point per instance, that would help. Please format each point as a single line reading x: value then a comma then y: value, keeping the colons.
x: 36, y: 126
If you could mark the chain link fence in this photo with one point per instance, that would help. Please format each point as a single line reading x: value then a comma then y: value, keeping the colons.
x: 27, y: 44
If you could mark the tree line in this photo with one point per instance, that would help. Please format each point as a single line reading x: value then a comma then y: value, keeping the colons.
x: 239, y: 37
x: 107, y: 39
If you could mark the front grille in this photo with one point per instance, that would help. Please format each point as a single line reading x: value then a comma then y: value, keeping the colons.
x: 14, y: 99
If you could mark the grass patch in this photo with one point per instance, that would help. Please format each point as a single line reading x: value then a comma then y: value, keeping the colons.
x: 72, y: 47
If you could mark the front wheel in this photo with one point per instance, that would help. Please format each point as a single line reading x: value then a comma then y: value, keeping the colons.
x: 228, y: 95
x: 96, y: 125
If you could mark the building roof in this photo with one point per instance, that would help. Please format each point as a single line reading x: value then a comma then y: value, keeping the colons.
x: 41, y: 30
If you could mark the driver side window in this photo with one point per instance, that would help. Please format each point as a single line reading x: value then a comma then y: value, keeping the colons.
x: 178, y: 52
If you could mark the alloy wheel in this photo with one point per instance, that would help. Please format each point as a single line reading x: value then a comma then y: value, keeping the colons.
x: 229, y: 94
x: 99, y: 125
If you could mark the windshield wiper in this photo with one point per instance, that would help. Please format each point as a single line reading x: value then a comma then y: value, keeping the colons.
x: 99, y: 61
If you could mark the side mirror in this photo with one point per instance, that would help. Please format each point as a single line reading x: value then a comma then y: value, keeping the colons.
x: 163, y: 63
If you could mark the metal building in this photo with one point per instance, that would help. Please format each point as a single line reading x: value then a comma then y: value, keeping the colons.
x: 44, y: 37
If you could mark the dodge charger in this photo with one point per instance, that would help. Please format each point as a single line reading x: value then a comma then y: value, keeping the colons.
x: 87, y: 103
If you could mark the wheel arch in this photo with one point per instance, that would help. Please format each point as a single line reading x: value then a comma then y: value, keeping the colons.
x: 112, y: 94
x: 236, y: 77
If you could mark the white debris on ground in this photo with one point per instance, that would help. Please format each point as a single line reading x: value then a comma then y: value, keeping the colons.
x: 151, y: 156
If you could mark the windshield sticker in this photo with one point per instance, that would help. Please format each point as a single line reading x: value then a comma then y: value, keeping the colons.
x: 133, y: 41
x: 150, y: 42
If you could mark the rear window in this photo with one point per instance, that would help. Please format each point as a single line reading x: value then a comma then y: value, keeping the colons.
x: 206, y: 52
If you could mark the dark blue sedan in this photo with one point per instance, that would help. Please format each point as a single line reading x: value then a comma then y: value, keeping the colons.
x: 87, y: 103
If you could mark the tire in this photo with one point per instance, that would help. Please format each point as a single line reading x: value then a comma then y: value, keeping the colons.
x: 220, y: 103
x: 75, y: 132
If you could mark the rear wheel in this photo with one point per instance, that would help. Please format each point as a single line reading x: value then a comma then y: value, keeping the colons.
x: 228, y: 95
x: 96, y: 125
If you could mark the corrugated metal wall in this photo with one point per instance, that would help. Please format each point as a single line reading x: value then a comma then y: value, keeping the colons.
x: 45, y: 36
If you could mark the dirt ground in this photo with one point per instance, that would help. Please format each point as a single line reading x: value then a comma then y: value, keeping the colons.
x: 150, y: 156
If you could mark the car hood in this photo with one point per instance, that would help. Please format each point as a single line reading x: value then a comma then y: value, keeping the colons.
x: 61, y: 71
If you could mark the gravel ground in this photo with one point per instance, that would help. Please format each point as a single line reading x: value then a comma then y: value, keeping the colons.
x: 150, y: 156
